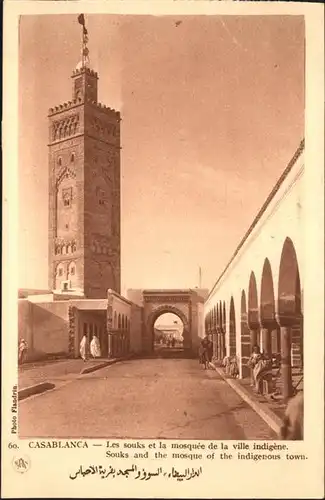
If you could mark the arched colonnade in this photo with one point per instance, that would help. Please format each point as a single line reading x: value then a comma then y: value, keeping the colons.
x: 268, y: 317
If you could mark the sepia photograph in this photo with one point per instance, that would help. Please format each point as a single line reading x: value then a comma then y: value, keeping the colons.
x: 163, y: 250
x: 161, y: 227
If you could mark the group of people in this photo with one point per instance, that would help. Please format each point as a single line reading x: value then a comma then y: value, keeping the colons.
x: 293, y: 421
x: 205, y: 352
x: 94, y: 347
x: 261, y: 365
x: 171, y: 342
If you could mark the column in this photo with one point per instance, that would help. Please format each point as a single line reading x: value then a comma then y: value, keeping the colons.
x: 109, y: 324
x: 110, y: 345
x: 214, y: 341
x: 127, y: 342
x: 187, y: 339
x: 116, y: 345
x: 286, y: 322
x: 245, y: 351
x: 222, y: 344
x: 218, y: 347
x: 275, y: 340
x: 74, y: 334
x: 286, y: 373
x: 254, y: 337
x: 266, y: 344
x: 218, y: 343
x: 254, y: 334
x: 296, y: 346
x: 112, y: 337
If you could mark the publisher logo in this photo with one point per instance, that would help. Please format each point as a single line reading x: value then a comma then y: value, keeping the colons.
x: 21, y: 463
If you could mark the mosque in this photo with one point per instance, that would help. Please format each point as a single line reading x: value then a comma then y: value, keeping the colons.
x: 84, y: 239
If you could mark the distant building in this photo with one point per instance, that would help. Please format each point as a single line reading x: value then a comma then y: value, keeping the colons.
x: 175, y: 330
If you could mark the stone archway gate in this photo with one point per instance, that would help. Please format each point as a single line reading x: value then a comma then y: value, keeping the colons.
x: 187, y: 304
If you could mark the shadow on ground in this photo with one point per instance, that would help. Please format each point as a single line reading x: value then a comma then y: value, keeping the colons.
x: 167, y: 353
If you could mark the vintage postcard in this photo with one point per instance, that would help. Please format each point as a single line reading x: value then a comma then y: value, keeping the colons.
x: 163, y: 250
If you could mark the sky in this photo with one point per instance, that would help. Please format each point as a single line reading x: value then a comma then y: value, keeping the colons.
x: 167, y: 319
x: 212, y: 111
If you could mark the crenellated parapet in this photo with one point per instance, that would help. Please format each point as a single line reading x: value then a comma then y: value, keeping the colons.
x: 85, y: 70
x: 65, y: 106
x: 107, y: 109
x: 79, y: 101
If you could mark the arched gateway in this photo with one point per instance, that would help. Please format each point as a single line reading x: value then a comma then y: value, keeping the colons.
x: 186, y: 304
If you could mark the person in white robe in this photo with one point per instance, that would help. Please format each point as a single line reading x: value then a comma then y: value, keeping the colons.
x: 22, y: 351
x: 95, y: 347
x: 82, y: 348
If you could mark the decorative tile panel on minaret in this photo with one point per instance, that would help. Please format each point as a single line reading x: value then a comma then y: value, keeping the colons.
x: 84, y: 191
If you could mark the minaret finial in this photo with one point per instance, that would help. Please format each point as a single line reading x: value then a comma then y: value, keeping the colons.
x: 84, y: 49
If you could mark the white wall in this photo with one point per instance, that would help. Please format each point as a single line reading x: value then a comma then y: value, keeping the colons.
x: 45, y: 327
x: 200, y: 313
x: 136, y: 329
x: 282, y: 218
x: 121, y: 306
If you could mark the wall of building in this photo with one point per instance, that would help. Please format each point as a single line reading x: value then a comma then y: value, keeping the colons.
x: 197, y: 322
x: 194, y: 340
x: 118, y: 325
x: 23, y: 293
x: 200, y: 312
x: 281, y: 219
x: 136, y: 326
x: 45, y: 327
x: 135, y: 295
x: 122, y: 308
x: 66, y: 158
x: 25, y: 324
x: 102, y: 217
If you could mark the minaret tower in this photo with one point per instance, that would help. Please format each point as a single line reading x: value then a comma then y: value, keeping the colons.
x: 84, y: 189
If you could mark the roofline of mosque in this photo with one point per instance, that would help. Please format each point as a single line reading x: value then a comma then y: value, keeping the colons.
x: 275, y: 189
